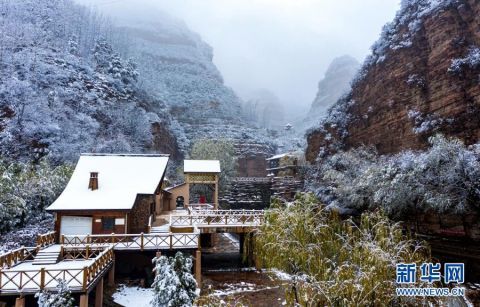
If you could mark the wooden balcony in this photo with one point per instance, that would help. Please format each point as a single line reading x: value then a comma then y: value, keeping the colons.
x: 80, y: 270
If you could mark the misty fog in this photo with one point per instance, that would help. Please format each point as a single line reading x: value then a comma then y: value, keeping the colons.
x: 283, y: 47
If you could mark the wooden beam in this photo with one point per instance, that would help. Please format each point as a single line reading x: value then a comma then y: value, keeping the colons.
x: 99, y: 293
x: 84, y: 300
x: 111, y: 275
x: 198, y: 268
x: 20, y: 301
x: 187, y: 195
x: 216, y: 193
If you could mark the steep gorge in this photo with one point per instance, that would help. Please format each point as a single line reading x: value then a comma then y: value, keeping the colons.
x: 422, y: 77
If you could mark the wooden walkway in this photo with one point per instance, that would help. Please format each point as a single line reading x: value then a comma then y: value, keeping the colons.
x: 151, y: 241
x: 83, y: 260
x: 211, y: 221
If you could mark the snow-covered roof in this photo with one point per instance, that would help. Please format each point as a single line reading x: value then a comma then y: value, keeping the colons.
x: 277, y: 156
x: 120, y: 178
x: 174, y: 186
x: 201, y: 166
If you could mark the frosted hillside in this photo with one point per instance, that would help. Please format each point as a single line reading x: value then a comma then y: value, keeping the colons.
x: 175, y: 65
x: 64, y: 89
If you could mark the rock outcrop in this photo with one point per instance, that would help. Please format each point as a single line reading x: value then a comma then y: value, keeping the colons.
x: 423, y: 77
x: 335, y: 83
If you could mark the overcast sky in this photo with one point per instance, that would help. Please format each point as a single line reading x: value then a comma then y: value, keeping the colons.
x: 281, y: 45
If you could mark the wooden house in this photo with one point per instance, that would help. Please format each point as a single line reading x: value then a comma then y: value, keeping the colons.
x: 110, y: 193
x: 197, y: 173
x: 283, y: 165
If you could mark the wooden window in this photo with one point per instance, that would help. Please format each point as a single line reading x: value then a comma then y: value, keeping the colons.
x: 108, y: 223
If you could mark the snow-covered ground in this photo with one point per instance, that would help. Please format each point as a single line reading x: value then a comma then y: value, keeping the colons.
x: 133, y: 296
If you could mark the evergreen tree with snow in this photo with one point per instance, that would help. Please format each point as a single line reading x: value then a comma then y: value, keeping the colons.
x: 174, y: 284
x: 60, y: 298
x: 183, y: 267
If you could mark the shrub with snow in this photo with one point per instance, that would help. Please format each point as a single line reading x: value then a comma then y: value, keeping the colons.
x: 470, y: 61
x: 174, y: 284
x: 426, y: 123
x: 60, y: 298
x: 444, y: 178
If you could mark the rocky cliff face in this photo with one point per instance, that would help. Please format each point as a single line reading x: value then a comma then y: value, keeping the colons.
x: 422, y: 77
x: 335, y: 83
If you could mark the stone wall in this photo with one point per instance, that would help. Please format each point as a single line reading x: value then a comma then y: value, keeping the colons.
x: 140, y: 213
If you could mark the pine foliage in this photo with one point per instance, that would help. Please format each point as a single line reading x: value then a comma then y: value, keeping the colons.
x: 174, y: 284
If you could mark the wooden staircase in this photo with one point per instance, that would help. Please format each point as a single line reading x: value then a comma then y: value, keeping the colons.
x: 47, y: 256
x: 160, y: 229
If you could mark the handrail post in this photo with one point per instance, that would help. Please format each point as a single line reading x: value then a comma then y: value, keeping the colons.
x: 88, y: 239
x: 42, y: 278
x: 141, y: 241
x: 62, y: 239
x: 85, y: 278
x: 87, y: 251
x: 171, y: 240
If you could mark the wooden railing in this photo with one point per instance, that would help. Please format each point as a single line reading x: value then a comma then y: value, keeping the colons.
x: 150, y: 221
x: 230, y: 212
x: 80, y: 252
x: 215, y: 219
x: 16, y: 256
x: 137, y: 241
x: 101, y: 263
x: 253, y: 179
x: 47, y: 239
x: 78, y: 278
x: 198, y: 207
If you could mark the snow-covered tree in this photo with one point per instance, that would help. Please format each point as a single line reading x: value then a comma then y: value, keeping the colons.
x: 59, y: 298
x: 174, y: 284
x: 26, y: 189
x: 64, y: 89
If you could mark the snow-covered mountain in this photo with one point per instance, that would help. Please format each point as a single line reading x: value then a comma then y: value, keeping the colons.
x: 176, y: 66
x: 64, y: 89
